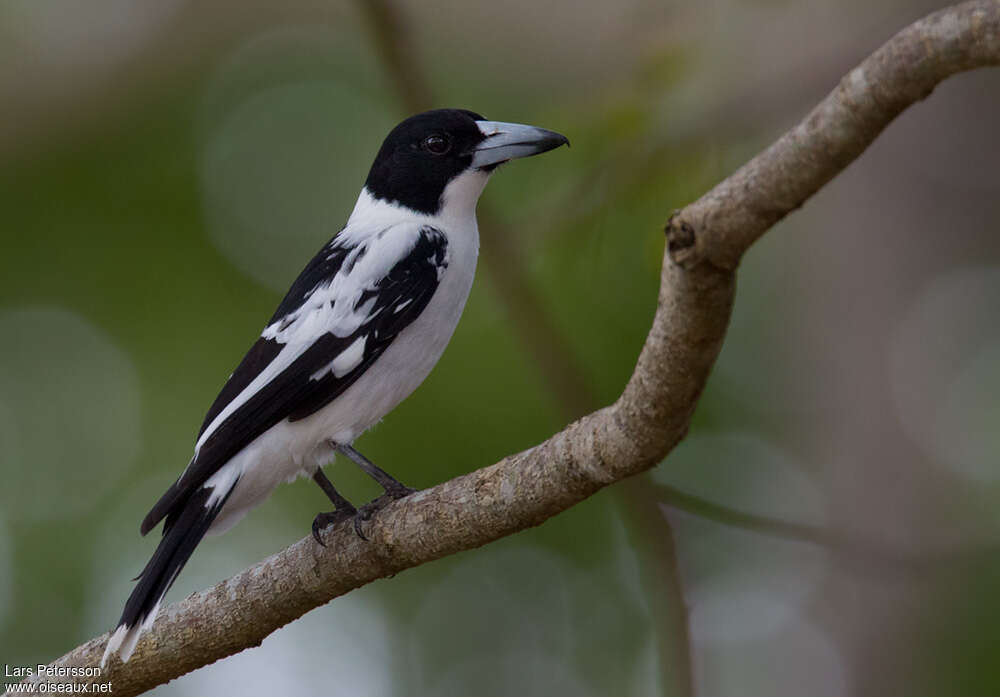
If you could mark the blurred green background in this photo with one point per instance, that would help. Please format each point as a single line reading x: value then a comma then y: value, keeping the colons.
x: 166, y: 168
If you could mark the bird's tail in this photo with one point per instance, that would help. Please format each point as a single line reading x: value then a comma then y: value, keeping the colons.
x: 182, y: 531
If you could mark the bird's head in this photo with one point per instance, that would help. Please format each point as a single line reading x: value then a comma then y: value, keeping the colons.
x: 426, y: 153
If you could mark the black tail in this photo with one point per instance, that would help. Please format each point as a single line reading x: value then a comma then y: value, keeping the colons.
x: 182, y: 532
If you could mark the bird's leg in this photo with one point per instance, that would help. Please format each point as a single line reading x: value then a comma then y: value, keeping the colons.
x: 393, y: 489
x: 342, y: 508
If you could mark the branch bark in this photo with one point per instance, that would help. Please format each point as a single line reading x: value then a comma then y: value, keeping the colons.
x: 705, y: 242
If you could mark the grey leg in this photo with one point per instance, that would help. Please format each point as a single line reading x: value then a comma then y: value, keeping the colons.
x: 393, y: 489
x: 326, y: 485
x: 342, y: 508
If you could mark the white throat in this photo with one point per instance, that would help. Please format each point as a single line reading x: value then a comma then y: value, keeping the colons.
x: 458, y: 205
x: 458, y: 202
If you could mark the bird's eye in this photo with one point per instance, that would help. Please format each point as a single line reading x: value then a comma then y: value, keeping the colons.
x: 436, y: 144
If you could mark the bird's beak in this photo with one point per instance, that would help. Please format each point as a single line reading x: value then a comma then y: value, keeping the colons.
x: 507, y: 141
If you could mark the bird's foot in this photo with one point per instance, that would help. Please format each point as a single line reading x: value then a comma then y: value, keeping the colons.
x: 397, y: 490
x: 322, y: 520
x: 365, y: 513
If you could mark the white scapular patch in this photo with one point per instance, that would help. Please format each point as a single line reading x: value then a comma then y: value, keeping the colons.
x: 346, y: 361
x: 334, y: 306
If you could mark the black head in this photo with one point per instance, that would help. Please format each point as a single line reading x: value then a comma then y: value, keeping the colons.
x: 425, y: 152
x: 421, y: 155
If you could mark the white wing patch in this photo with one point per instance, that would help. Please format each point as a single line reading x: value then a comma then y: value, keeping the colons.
x: 332, y: 307
x: 346, y: 361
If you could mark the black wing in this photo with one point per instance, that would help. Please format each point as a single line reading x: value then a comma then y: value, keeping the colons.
x: 396, y: 298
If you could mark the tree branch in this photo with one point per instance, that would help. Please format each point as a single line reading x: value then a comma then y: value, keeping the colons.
x: 722, y: 224
x: 705, y: 243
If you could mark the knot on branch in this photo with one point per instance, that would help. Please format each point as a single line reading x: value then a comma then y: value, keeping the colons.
x: 681, y: 241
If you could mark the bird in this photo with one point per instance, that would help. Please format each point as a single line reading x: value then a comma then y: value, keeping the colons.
x: 358, y: 331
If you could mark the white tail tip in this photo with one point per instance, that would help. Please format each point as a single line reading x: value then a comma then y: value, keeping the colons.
x: 125, y: 638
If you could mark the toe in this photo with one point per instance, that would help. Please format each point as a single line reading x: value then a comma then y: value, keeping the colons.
x: 315, y: 531
x: 357, y: 527
x: 399, y: 492
x: 317, y: 538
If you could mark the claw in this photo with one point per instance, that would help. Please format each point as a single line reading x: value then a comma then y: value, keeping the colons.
x: 357, y: 528
x: 315, y: 531
x: 365, y: 513
x: 323, y: 520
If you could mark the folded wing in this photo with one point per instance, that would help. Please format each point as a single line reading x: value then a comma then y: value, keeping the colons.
x: 343, y: 311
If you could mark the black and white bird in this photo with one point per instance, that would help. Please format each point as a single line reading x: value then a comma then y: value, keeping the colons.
x: 360, y: 328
